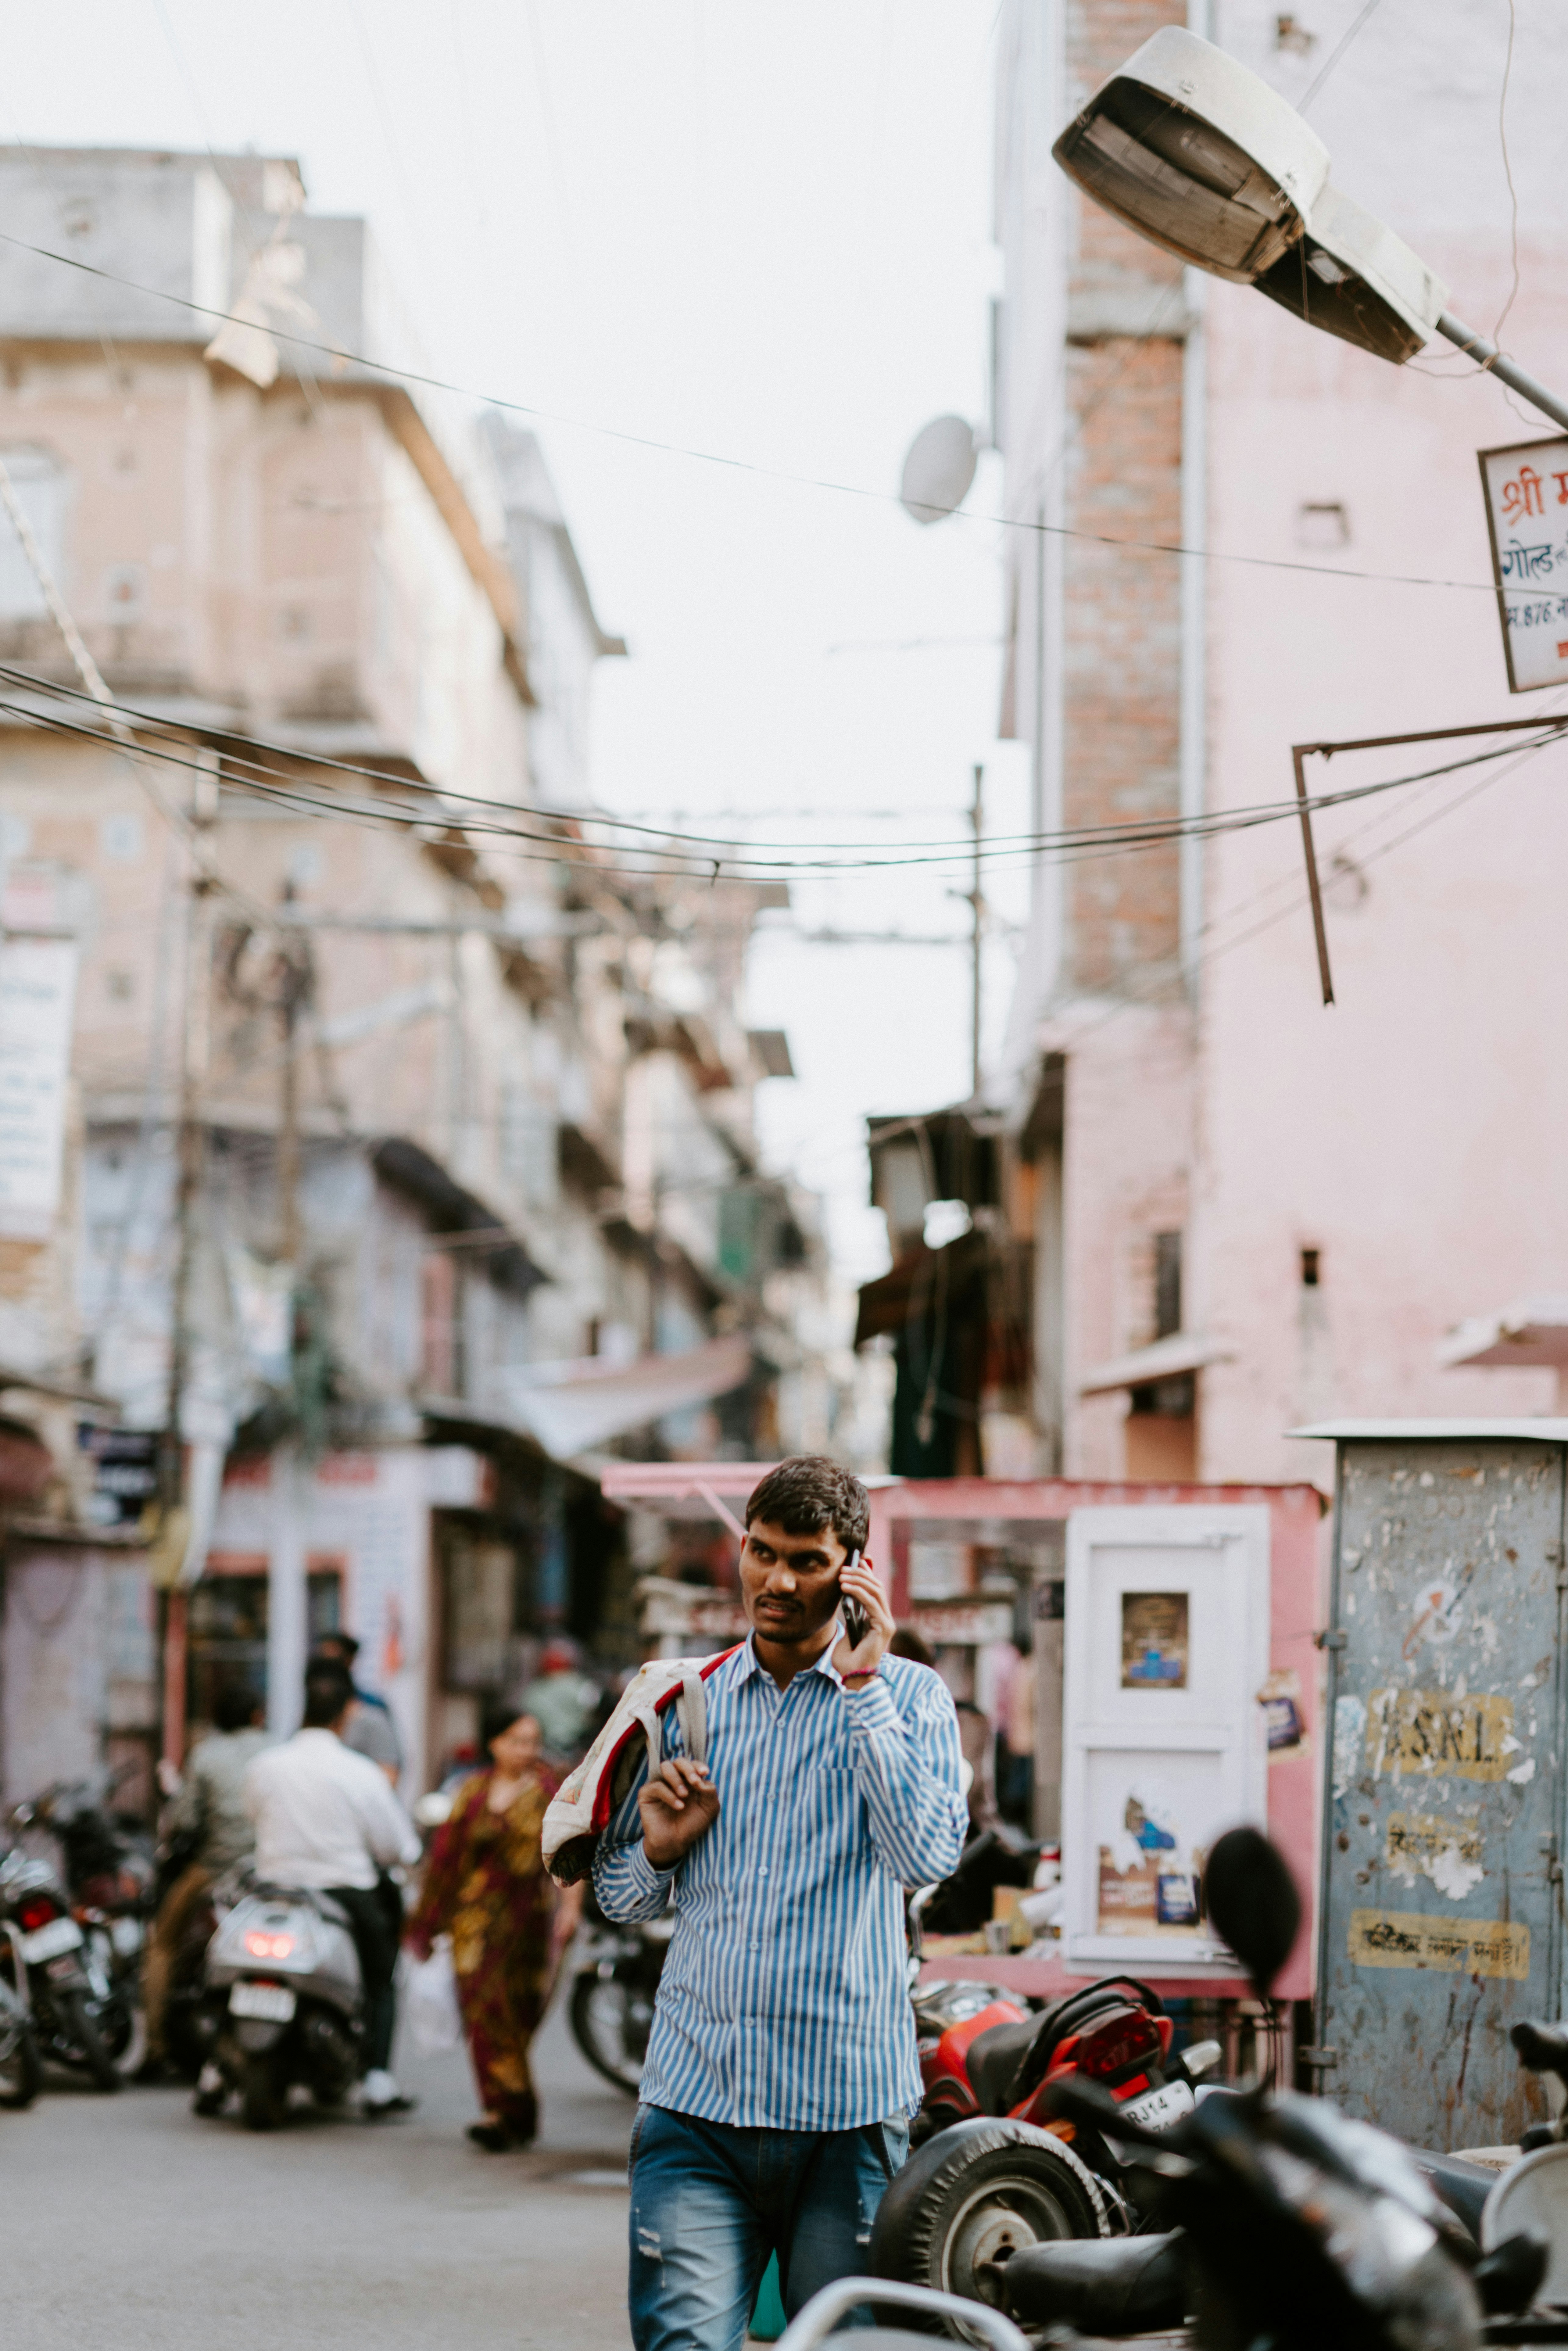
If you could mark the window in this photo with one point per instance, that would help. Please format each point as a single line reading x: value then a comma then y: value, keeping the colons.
x: 40, y: 487
x: 1323, y: 522
x: 441, y: 1367
x: 1167, y: 1284
x: 530, y: 1147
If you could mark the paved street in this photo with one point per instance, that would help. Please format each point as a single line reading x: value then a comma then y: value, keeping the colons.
x: 126, y: 2220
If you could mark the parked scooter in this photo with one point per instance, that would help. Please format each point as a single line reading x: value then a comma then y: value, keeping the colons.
x: 284, y: 2006
x: 615, y: 1974
x: 48, y: 1964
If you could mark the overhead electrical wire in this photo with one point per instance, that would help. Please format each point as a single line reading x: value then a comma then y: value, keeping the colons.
x: 731, y: 464
x: 697, y: 857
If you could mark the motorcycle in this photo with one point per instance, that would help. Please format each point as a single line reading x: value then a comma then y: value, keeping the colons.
x: 615, y: 1974
x: 21, y: 2067
x: 109, y: 1872
x: 284, y: 2005
x: 50, y: 1968
x: 996, y: 2171
x: 1277, y: 2219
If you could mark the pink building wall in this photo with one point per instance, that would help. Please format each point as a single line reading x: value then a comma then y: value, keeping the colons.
x: 1413, y: 1135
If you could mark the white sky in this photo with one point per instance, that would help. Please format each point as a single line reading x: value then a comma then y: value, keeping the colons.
x: 763, y: 233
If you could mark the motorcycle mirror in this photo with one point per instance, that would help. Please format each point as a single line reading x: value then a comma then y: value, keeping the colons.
x: 1251, y: 1900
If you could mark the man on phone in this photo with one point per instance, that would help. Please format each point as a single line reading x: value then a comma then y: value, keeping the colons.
x: 781, y: 2067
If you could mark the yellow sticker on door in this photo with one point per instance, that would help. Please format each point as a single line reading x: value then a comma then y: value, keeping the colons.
x: 1441, y: 1737
x: 1412, y: 1938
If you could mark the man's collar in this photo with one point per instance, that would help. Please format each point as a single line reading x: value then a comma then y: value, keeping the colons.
x: 750, y: 1663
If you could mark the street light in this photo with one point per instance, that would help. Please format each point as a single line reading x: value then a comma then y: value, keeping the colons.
x: 1201, y: 157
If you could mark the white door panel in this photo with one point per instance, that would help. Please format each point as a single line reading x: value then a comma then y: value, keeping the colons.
x: 1163, y: 1737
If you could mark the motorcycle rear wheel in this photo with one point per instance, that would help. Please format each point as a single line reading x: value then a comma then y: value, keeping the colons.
x: 976, y: 2194
x: 610, y: 2035
x: 263, y: 2094
x: 79, y: 2029
x: 21, y: 2070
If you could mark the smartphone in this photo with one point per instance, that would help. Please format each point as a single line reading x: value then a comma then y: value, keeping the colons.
x: 857, y: 1623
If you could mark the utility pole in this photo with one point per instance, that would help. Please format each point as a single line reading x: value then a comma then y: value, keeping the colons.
x: 172, y: 1537
x: 195, y: 1050
x: 290, y: 992
x: 287, y: 1587
x: 978, y: 905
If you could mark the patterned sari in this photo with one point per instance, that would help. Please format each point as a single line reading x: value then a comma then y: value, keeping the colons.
x: 485, y: 1886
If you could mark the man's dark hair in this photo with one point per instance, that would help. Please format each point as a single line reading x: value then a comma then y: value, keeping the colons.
x: 234, y: 1706
x: 344, y: 1643
x: 808, y: 1493
x: 327, y: 1690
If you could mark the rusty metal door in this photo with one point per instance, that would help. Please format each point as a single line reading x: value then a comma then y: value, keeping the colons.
x: 1440, y: 1924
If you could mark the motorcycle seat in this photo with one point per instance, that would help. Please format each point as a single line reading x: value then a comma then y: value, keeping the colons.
x: 1108, y: 2286
x: 1065, y: 2017
x: 992, y: 2061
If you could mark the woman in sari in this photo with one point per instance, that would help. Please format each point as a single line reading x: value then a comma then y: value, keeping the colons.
x: 486, y: 1887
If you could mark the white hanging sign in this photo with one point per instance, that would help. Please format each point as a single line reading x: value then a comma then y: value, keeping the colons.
x: 37, y: 989
x: 1526, y: 491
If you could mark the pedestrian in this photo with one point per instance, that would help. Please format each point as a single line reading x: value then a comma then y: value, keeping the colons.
x: 562, y: 1699
x: 781, y: 2068
x: 208, y: 1823
x: 371, y: 1729
x: 486, y: 1887
x: 326, y: 1821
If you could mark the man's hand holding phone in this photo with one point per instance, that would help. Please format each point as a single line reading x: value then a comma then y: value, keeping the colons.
x: 868, y: 1624
x: 679, y: 1804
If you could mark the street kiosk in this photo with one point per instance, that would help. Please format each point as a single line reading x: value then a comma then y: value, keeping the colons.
x: 1176, y: 1684
x: 1441, y: 1901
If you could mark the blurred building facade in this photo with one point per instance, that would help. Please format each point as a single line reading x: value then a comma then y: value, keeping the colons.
x: 403, y: 1153
x: 1220, y: 1210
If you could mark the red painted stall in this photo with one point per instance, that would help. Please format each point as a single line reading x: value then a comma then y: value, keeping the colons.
x: 1102, y: 1542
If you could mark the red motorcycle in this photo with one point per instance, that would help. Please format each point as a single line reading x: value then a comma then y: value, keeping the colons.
x: 987, y: 2051
x: 990, y: 2172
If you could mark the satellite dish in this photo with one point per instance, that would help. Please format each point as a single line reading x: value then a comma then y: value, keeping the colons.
x: 938, y: 469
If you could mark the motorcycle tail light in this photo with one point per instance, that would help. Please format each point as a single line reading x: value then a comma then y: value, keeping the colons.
x: 268, y: 1946
x: 34, y: 1915
x: 1127, y: 2039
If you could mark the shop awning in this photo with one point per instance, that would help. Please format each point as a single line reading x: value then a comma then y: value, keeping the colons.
x: 1532, y: 1331
x: 570, y: 1407
x: 1167, y: 1359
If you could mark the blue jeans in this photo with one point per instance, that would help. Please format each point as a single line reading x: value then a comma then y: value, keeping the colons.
x: 710, y: 2202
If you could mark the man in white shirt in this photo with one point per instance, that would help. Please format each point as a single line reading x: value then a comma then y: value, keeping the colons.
x: 327, y: 1821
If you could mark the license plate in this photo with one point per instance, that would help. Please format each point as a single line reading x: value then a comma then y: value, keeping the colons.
x: 1157, y: 2109
x: 48, y: 1942
x: 273, y: 2003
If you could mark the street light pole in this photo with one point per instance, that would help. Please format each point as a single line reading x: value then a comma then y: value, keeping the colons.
x: 1493, y: 361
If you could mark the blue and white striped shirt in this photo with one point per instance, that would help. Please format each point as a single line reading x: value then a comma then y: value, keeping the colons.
x: 783, y: 2004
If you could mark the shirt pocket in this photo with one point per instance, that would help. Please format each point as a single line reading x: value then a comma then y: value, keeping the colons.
x: 834, y: 1811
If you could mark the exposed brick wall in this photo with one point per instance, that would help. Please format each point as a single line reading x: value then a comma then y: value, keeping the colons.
x: 1102, y: 33
x: 1122, y: 647
x: 1122, y: 651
